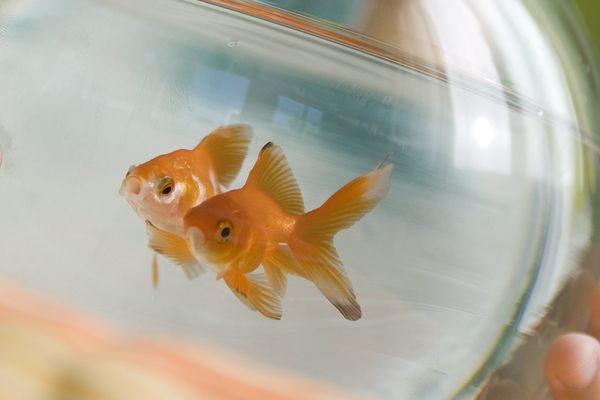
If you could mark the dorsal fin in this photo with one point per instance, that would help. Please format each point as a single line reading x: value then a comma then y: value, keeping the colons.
x: 273, y: 175
x: 227, y: 147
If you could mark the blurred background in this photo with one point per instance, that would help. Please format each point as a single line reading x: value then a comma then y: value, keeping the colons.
x: 590, y: 10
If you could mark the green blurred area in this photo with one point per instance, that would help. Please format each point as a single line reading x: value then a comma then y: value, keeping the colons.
x: 590, y: 10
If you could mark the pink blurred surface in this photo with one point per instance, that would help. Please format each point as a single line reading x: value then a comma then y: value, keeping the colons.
x: 48, y: 351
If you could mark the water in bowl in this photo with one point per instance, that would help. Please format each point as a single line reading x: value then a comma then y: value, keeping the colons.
x: 481, y: 197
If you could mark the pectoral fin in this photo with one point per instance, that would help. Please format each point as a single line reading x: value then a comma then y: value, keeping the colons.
x: 154, y: 267
x: 175, y: 249
x: 255, y: 292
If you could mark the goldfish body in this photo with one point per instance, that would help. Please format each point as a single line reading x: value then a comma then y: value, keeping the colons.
x: 163, y: 189
x: 264, y: 223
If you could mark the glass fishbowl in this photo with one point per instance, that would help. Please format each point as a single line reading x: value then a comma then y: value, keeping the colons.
x: 483, y: 250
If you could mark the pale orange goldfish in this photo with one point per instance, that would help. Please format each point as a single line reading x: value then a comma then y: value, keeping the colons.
x: 163, y: 189
x: 264, y: 223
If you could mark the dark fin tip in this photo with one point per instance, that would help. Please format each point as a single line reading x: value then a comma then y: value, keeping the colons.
x: 387, y: 159
x: 267, y: 146
x: 276, y: 317
x: 351, y: 312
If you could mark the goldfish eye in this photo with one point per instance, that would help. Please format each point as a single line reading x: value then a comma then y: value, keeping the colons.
x: 165, y: 186
x: 225, y: 229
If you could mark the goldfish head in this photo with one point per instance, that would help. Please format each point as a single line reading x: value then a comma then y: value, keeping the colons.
x: 219, y: 232
x: 163, y: 189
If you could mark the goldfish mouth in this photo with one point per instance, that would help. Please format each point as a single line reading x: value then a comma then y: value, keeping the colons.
x: 131, y: 187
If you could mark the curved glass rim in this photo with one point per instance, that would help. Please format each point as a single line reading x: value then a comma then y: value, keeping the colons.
x: 354, y: 40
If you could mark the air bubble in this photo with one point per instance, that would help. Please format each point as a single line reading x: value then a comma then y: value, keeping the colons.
x: 1, y: 153
x: 232, y: 43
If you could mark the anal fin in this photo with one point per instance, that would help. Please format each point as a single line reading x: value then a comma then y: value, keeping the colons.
x: 321, y: 264
x: 282, y: 257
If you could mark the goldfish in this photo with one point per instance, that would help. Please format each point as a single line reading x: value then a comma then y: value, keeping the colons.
x: 164, y: 188
x: 264, y: 223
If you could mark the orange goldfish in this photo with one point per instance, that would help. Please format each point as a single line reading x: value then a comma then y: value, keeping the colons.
x: 264, y: 222
x: 163, y: 189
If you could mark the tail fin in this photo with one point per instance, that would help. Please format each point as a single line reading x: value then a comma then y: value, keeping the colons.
x: 347, y: 205
x: 312, y: 243
x: 227, y: 147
